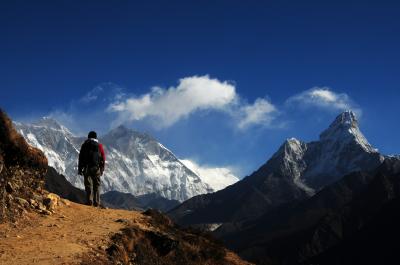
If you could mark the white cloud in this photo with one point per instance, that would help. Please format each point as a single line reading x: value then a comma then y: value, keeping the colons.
x: 167, y: 106
x: 261, y: 113
x: 217, y: 177
x: 324, y: 97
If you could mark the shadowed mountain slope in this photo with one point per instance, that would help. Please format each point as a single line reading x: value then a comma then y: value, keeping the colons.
x: 293, y: 234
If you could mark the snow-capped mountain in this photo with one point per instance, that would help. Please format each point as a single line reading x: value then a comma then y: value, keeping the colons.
x: 295, y: 172
x: 136, y: 162
x: 341, y: 149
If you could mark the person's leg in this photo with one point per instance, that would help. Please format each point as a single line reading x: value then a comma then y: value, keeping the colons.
x: 88, y: 188
x: 96, y: 190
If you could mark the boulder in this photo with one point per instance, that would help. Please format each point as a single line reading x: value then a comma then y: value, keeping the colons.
x: 51, y: 201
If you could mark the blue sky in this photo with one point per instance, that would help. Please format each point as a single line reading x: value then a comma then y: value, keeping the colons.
x: 221, y: 82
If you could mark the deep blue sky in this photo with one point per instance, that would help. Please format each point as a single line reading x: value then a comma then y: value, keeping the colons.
x: 53, y: 52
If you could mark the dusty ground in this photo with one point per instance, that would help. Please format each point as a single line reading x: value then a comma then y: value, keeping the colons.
x: 72, y: 234
x: 62, y: 238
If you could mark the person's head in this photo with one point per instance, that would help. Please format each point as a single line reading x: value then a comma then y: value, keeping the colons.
x: 92, y: 134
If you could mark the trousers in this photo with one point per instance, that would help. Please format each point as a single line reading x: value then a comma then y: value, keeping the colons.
x: 92, y: 188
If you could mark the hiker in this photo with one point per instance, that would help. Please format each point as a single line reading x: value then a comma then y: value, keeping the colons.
x: 91, y: 166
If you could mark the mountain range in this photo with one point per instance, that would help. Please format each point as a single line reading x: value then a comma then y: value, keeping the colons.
x: 295, y: 172
x: 306, y: 203
x: 136, y: 162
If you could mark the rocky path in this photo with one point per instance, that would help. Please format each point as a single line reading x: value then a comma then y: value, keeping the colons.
x: 64, y: 237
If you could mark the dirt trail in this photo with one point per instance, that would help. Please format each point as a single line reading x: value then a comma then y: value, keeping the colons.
x: 63, y: 237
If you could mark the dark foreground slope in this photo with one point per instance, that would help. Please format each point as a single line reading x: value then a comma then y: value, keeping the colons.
x: 375, y: 243
x: 164, y: 243
x: 370, y: 224
x: 359, y: 206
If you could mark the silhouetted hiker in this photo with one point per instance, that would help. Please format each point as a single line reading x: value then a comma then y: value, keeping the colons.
x: 91, y: 165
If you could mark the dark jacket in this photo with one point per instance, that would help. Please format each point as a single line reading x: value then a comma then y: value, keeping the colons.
x: 83, y: 155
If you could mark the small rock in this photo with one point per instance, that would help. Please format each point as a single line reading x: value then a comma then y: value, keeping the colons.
x: 41, y: 207
x: 22, y: 202
x: 37, y: 197
x: 121, y: 221
x: 48, y: 202
x: 45, y: 212
x: 33, y: 203
x: 51, y: 201
x: 10, y: 188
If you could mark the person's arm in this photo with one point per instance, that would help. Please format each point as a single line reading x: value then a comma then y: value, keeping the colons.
x: 81, y: 162
x: 103, y: 157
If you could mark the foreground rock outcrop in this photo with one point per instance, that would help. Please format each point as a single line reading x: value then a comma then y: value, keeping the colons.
x: 22, y: 170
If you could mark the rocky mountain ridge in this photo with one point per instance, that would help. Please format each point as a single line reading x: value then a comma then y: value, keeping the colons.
x: 136, y: 162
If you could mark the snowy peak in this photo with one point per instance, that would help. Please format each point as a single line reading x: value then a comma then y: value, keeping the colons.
x: 347, y: 117
x: 289, y: 161
x: 342, y: 149
x: 292, y: 145
x: 290, y: 149
x: 50, y: 123
x: 344, y: 125
x: 345, y: 131
x: 123, y: 132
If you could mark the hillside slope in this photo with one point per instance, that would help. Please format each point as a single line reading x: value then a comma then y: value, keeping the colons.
x: 350, y: 209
